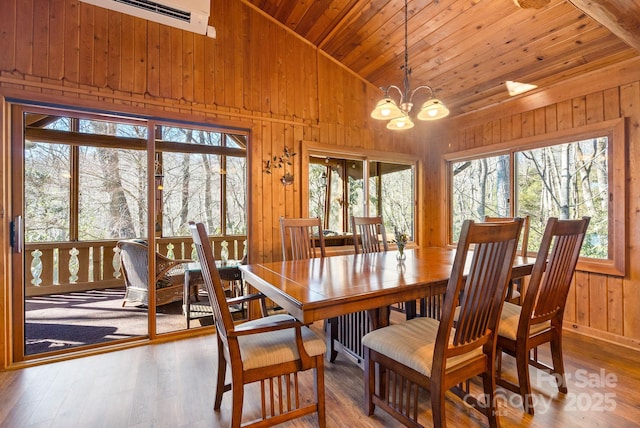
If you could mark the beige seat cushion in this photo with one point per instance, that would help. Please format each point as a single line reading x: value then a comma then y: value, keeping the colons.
x: 276, y: 347
x: 509, y: 318
x: 412, y: 344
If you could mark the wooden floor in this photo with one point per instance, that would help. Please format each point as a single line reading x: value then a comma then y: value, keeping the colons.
x: 171, y: 385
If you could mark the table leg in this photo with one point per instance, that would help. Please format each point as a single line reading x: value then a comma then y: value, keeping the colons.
x: 254, y: 310
x: 331, y: 334
x: 379, y: 317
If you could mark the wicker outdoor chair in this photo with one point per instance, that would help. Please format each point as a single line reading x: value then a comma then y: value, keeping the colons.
x: 135, y: 268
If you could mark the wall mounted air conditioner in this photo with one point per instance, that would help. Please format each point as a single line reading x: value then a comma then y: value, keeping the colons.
x: 190, y: 15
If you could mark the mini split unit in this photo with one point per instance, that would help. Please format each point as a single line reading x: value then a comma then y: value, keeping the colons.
x: 190, y: 15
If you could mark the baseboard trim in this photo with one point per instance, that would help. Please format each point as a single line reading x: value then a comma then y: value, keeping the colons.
x: 603, y: 335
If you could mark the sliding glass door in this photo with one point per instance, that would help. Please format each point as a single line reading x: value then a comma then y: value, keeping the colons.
x: 90, y: 193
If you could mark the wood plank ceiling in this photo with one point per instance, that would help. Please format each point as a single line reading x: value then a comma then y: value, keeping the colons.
x: 466, y: 49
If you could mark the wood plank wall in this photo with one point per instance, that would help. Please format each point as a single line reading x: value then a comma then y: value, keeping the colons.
x: 599, y: 305
x: 255, y: 75
x: 259, y: 76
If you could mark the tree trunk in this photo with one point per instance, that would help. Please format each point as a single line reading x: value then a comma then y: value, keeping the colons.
x: 184, y: 199
x: 502, y: 186
x: 483, y: 189
x: 584, y: 167
x: 565, y: 182
x: 208, y: 214
x: 120, y: 221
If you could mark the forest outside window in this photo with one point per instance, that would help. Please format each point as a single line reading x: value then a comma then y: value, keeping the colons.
x: 87, y: 179
x: 342, y: 185
x: 81, y: 187
x: 206, y: 183
x: 569, y: 176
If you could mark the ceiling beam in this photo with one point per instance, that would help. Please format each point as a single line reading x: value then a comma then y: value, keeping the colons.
x: 621, y: 17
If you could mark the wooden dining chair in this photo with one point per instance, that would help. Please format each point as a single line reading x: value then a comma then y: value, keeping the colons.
x: 369, y: 235
x: 424, y: 353
x: 539, y: 319
x: 515, y: 286
x: 269, y: 350
x: 299, y: 238
x: 299, y: 243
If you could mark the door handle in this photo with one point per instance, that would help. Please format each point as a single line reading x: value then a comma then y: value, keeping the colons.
x: 17, y: 234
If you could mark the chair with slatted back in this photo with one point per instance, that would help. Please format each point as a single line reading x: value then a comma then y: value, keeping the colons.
x: 369, y: 235
x: 299, y: 238
x: 515, y: 286
x: 539, y: 319
x: 424, y: 353
x: 269, y: 350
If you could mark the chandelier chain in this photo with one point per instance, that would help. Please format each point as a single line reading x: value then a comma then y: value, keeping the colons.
x: 407, y: 70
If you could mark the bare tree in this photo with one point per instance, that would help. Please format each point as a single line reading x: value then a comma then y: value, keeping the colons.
x: 120, y: 220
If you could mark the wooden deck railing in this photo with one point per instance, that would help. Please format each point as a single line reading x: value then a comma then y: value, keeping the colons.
x: 64, y: 267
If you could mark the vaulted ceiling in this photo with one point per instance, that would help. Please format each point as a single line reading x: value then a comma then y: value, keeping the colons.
x: 466, y: 49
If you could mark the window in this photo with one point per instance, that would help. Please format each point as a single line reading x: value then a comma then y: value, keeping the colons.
x: 98, y: 174
x: 208, y: 186
x: 392, y: 195
x: 112, y: 201
x: 336, y: 192
x: 361, y: 183
x: 567, y: 176
x: 46, y: 206
x: 480, y: 188
x: 86, y: 178
x: 82, y: 181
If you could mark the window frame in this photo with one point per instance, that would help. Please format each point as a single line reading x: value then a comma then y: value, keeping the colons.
x: 16, y: 109
x: 75, y: 139
x: 615, y: 130
x: 162, y: 146
x: 310, y: 148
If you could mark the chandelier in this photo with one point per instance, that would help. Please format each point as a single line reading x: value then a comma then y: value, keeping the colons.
x: 398, y: 113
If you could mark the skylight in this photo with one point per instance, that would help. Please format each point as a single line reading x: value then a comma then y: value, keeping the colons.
x: 517, y: 88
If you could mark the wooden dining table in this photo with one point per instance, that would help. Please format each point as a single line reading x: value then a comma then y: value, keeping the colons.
x: 322, y: 288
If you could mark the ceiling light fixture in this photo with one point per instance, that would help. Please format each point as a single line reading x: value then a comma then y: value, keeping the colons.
x: 398, y: 113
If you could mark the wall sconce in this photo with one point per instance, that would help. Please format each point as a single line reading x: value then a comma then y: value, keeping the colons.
x: 281, y: 162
